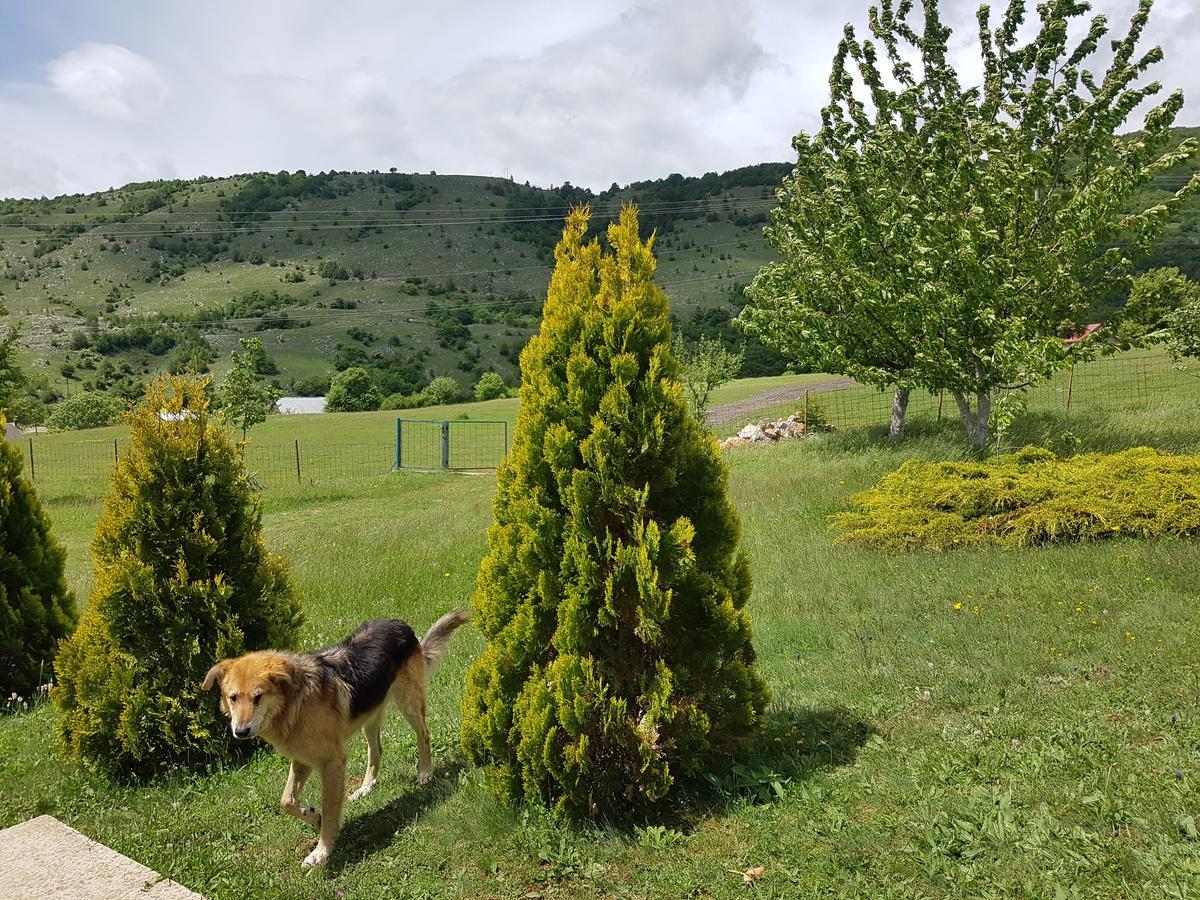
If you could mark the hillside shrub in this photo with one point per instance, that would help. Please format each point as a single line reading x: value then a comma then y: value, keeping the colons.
x: 490, y: 387
x: 352, y: 391
x: 401, y: 400
x: 86, y: 410
x: 37, y: 609
x: 1028, y: 498
x: 441, y: 391
x: 182, y: 579
x: 619, y: 667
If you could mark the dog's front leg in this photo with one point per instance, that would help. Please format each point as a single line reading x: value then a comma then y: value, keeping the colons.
x: 290, y: 801
x: 333, y: 792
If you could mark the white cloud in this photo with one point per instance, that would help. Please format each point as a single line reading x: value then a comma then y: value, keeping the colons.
x: 615, y: 90
x: 108, y: 81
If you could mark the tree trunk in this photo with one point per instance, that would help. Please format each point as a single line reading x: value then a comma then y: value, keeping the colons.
x: 977, y: 421
x: 899, y: 409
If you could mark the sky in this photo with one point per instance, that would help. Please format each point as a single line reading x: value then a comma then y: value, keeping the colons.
x: 97, y: 94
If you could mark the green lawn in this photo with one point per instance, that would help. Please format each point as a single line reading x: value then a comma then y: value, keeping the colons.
x: 987, y: 722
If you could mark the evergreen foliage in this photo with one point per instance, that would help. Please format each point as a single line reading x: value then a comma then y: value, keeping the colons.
x: 1028, y: 498
x: 182, y: 579
x: 37, y: 609
x: 619, y: 666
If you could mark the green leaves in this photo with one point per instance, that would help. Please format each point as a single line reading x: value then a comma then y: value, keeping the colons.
x: 246, y: 399
x: 941, y: 241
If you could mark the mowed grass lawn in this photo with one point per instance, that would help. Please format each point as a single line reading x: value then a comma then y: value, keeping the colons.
x: 994, y: 723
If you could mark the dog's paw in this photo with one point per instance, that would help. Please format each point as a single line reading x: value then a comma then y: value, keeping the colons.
x: 317, y: 857
x: 362, y: 791
x: 423, y: 778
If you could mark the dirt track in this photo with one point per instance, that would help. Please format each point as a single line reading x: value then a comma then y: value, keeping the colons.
x: 725, y: 412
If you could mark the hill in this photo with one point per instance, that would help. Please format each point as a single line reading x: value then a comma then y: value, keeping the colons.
x: 410, y: 275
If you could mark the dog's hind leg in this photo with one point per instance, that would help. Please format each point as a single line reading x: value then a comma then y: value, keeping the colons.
x: 333, y: 794
x: 372, y: 729
x: 290, y: 801
x: 412, y: 704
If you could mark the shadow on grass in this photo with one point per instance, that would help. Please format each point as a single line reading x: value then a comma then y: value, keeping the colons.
x: 797, y: 744
x: 362, y: 836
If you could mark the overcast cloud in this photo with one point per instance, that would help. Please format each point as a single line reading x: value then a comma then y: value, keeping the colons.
x: 94, y: 95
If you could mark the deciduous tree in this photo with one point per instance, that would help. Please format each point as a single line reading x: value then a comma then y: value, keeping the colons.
x: 934, y: 234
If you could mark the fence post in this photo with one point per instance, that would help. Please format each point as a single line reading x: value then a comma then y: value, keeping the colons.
x: 1070, y: 384
x: 806, y: 412
x: 506, y: 437
x: 115, y: 460
x: 445, y: 445
x: 399, y: 431
x: 298, y: 481
x: 941, y: 397
x: 32, y: 464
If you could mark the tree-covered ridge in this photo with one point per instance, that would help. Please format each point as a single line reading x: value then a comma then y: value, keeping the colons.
x: 410, y: 276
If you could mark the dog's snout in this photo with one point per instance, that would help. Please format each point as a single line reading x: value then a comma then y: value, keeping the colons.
x: 241, y: 731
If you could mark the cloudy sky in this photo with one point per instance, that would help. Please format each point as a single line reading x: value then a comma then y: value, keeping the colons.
x: 96, y: 94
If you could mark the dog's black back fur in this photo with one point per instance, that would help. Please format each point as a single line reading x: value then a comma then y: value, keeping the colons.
x: 369, y: 659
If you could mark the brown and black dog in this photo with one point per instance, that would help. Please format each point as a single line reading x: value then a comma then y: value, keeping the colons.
x: 307, y: 705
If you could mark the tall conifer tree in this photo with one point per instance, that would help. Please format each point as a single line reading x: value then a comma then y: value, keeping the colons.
x: 182, y: 579
x: 619, y: 663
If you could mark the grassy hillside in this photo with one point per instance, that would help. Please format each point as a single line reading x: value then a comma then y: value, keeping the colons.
x: 411, y: 275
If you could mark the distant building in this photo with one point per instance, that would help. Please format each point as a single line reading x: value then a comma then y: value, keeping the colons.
x: 299, y: 406
x: 1088, y: 331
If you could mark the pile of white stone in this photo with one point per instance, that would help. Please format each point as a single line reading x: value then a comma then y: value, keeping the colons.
x: 768, y: 432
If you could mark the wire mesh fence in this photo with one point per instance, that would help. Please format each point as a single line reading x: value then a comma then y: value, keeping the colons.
x: 71, y: 463
x: 1133, y: 378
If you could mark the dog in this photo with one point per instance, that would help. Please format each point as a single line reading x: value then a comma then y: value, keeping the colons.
x: 307, y: 706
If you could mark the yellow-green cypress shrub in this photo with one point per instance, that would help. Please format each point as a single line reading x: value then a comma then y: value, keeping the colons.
x: 619, y: 665
x: 37, y: 609
x: 182, y: 578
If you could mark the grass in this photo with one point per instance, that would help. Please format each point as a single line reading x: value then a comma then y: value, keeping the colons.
x: 986, y: 722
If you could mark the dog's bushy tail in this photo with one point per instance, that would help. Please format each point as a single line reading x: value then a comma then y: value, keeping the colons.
x: 433, y: 645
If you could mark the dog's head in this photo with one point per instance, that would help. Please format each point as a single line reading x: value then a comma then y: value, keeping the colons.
x: 253, y: 689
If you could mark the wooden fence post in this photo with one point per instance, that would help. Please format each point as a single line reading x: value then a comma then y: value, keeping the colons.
x: 1070, y: 385
x: 32, y: 464
x: 298, y: 481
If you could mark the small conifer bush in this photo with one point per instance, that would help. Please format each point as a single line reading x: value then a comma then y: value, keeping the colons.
x: 1027, y: 499
x: 182, y: 578
x: 619, y: 666
x: 36, y: 608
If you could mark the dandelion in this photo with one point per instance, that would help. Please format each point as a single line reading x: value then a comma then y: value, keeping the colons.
x: 445, y: 574
x: 1079, y: 609
x: 958, y: 606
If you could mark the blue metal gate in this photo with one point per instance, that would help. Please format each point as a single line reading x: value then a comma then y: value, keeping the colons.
x: 450, y: 444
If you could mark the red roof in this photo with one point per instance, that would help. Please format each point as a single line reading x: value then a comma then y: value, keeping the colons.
x: 1088, y: 331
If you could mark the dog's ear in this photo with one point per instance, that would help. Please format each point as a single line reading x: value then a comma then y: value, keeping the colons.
x: 214, y: 676
x: 281, y: 672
